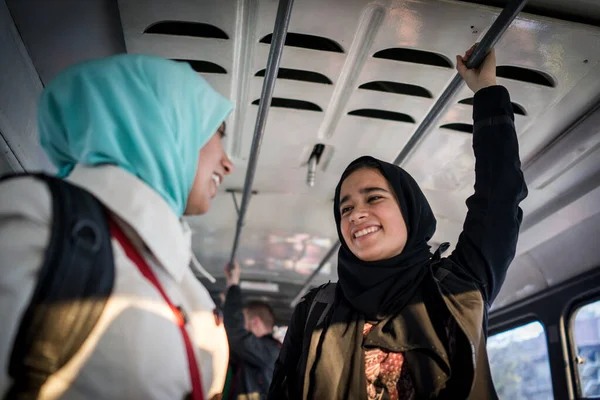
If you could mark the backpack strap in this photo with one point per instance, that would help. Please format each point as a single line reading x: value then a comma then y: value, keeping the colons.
x: 320, y: 306
x: 73, y: 286
x: 439, y: 272
x: 437, y: 256
x: 180, y: 318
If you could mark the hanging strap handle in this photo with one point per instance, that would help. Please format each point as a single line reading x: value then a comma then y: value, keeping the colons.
x: 133, y: 254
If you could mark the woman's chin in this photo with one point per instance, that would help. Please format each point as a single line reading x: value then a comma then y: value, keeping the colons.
x: 375, y: 254
x: 197, y: 208
x: 368, y: 255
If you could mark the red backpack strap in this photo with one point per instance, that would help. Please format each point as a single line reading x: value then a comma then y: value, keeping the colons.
x: 134, y: 255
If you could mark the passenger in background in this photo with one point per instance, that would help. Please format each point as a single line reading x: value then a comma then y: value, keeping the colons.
x: 141, y: 136
x: 403, y: 323
x: 253, y: 347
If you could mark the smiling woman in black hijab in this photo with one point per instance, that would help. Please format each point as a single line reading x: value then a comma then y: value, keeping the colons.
x: 403, y: 323
x: 382, y: 257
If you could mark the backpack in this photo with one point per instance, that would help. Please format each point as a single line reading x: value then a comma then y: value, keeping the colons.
x: 78, y: 265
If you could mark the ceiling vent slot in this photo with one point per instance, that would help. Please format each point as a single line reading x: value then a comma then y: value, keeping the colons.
x: 307, y: 42
x: 414, y: 56
x: 525, y: 75
x: 299, y: 75
x: 398, y: 88
x: 382, y: 114
x: 184, y: 28
x: 280, y: 102
x: 517, y: 108
x: 205, y: 67
x: 464, y: 128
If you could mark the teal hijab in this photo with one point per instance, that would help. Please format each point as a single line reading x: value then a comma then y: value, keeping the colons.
x: 148, y: 115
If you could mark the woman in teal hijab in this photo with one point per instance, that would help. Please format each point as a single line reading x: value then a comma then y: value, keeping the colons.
x: 148, y: 115
x: 142, y: 135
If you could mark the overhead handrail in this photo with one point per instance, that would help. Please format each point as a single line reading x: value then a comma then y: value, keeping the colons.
x: 506, y: 17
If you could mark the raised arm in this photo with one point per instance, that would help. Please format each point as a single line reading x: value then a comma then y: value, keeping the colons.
x: 487, y: 244
x: 242, y: 343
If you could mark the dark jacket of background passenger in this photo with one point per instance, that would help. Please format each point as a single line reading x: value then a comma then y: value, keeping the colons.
x: 252, y: 358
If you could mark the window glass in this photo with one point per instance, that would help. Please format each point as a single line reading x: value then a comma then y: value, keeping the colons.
x: 586, y: 334
x: 519, y: 363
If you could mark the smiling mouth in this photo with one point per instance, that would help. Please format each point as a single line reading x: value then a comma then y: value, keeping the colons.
x: 216, y: 179
x: 366, y: 231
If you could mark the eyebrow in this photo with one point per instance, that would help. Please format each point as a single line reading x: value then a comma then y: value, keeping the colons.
x: 363, y: 191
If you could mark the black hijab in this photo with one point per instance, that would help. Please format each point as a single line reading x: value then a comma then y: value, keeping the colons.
x: 381, y: 288
x: 389, y: 292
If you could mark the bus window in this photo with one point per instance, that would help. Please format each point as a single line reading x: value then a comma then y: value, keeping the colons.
x: 519, y: 363
x: 586, y: 333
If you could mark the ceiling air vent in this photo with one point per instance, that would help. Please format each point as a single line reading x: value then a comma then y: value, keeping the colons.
x: 517, y: 108
x: 414, y: 56
x: 299, y: 75
x: 382, y: 114
x: 464, y: 128
x: 525, y: 75
x: 398, y: 88
x: 205, y: 67
x: 279, y: 102
x: 307, y: 42
x: 184, y: 28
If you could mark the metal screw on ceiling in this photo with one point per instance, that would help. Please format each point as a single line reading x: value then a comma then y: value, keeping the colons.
x: 313, y: 161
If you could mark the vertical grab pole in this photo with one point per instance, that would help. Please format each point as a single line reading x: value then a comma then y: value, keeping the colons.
x: 282, y: 21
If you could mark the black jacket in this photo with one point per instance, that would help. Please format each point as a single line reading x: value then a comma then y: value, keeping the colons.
x: 252, y: 358
x: 475, y: 270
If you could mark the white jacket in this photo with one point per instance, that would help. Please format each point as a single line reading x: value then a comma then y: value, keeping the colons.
x: 136, y: 350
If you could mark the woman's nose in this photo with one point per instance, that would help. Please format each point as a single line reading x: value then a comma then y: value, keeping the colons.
x: 227, y: 164
x: 358, y: 215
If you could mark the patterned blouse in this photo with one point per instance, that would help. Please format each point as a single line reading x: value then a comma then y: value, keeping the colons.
x: 387, y: 376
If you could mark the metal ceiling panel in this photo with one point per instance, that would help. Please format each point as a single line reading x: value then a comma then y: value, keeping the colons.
x: 58, y: 34
x: 574, y: 251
